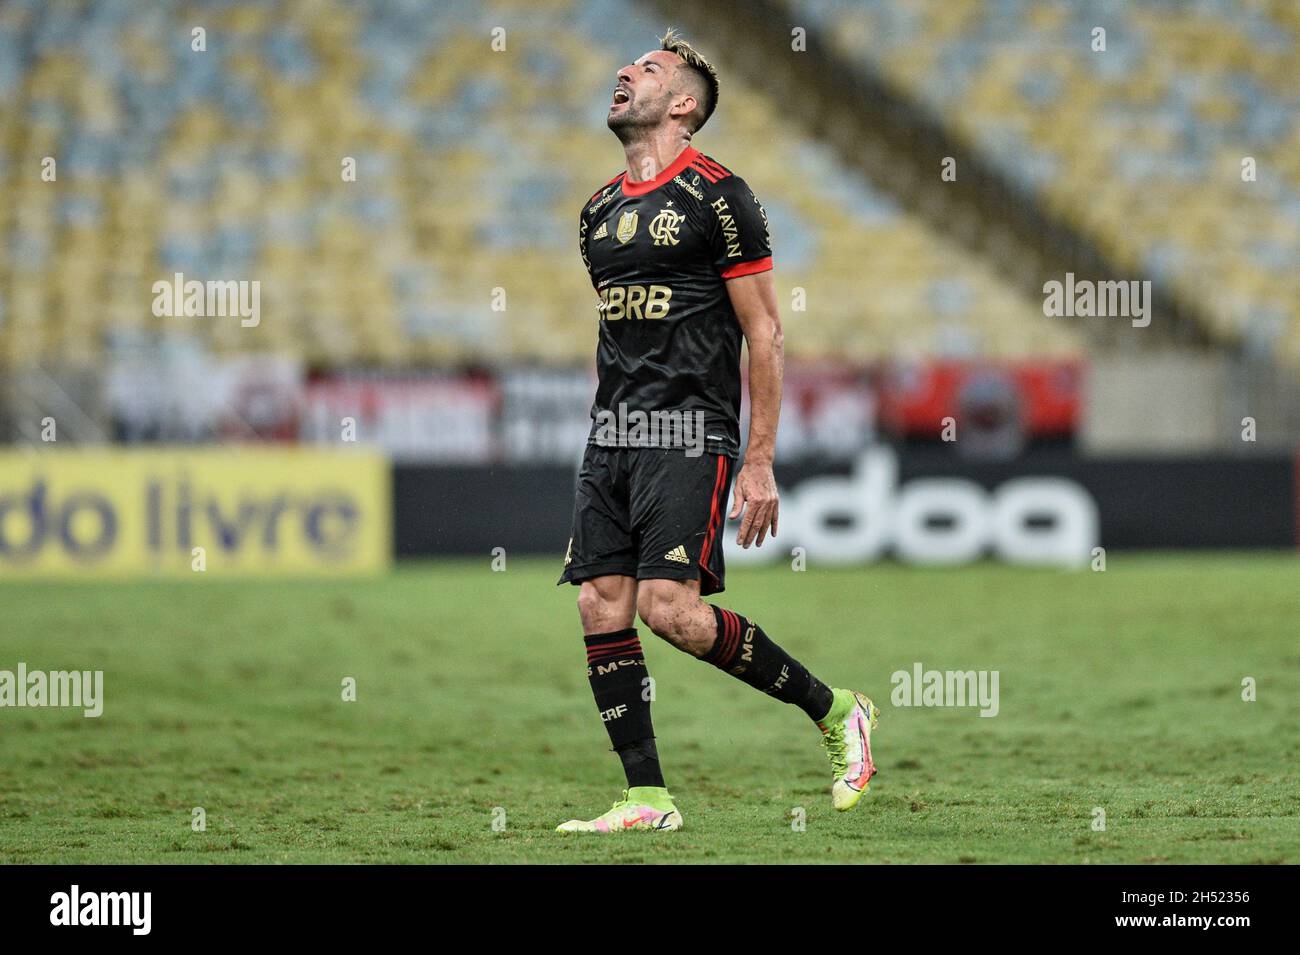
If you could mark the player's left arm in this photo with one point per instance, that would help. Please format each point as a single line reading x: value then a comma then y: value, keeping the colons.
x: 754, y: 299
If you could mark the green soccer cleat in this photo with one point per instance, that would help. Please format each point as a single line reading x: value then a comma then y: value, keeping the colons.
x: 846, y: 737
x: 642, y: 807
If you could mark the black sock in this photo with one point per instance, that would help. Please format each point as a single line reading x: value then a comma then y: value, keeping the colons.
x: 617, y: 671
x: 641, y: 763
x: 747, y: 653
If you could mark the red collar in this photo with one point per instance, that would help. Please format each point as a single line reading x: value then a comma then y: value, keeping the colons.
x: 676, y: 166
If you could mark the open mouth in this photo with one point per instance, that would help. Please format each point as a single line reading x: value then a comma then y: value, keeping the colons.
x: 620, y: 96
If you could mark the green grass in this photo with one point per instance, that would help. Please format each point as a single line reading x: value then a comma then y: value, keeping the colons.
x: 1119, y: 690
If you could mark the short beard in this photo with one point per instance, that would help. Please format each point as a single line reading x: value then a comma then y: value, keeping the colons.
x: 628, y: 124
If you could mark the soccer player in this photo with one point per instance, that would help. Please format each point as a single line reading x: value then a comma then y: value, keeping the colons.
x: 678, y: 251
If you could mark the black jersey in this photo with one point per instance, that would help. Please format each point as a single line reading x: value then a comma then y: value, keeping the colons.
x: 659, y: 253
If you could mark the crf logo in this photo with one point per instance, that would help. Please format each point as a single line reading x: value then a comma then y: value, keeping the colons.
x: 613, y: 713
x: 780, y: 681
x: 665, y: 226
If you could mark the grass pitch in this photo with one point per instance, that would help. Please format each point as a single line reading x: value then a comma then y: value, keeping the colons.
x: 1120, y: 690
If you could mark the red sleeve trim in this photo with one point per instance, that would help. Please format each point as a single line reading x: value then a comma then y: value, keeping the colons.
x: 747, y: 268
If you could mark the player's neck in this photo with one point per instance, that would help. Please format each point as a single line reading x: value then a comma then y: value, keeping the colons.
x: 648, y: 157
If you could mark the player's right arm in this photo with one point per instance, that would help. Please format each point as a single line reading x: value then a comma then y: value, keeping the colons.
x: 742, y: 251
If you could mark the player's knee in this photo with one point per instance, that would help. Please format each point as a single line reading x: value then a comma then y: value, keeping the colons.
x: 662, y: 610
x: 601, y: 611
x: 593, y: 609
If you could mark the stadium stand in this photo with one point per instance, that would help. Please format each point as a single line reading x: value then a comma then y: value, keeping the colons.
x: 1140, y: 147
x: 471, y: 165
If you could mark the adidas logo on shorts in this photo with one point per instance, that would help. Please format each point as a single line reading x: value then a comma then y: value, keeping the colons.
x: 678, y: 554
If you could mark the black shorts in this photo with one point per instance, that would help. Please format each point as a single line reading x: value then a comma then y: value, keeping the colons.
x: 649, y: 513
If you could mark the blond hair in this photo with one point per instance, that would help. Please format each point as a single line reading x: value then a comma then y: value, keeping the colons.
x: 673, y: 42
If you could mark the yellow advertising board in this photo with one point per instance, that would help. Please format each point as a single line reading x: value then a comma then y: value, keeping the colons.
x: 231, y: 511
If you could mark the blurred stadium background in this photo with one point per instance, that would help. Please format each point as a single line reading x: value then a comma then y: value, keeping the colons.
x: 434, y: 297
